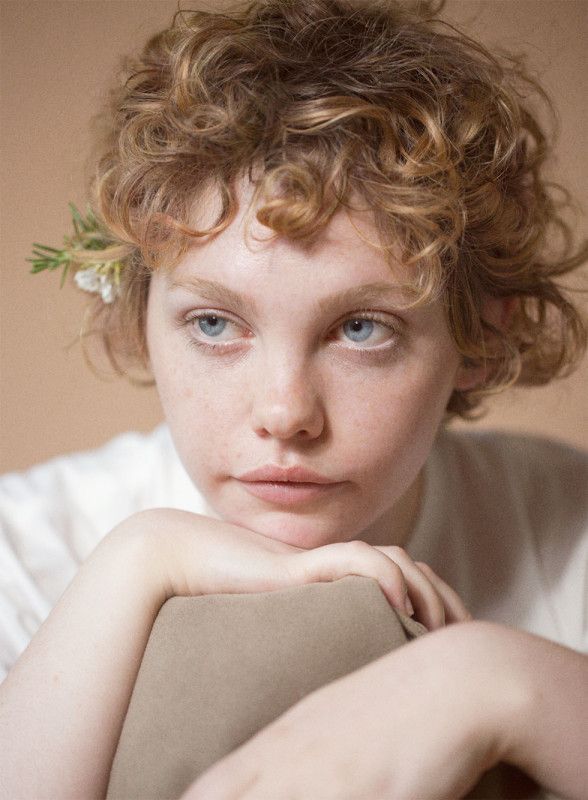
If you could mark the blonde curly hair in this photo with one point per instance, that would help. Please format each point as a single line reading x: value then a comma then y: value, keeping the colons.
x: 319, y: 101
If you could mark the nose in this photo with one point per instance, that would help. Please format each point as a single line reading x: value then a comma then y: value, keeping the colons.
x: 287, y: 404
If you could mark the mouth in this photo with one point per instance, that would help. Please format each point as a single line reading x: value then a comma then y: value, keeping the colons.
x: 273, y: 473
x: 288, y: 493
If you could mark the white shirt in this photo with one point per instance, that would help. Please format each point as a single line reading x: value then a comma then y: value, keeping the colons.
x: 504, y: 521
x: 505, y: 524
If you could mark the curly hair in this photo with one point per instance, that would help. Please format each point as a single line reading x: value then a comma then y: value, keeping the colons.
x: 322, y: 101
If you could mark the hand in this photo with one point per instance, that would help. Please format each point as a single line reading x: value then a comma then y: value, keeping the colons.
x: 435, y: 603
x: 425, y: 721
x: 194, y: 555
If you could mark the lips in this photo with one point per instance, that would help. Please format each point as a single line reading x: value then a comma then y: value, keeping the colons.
x: 296, y: 474
x: 287, y: 486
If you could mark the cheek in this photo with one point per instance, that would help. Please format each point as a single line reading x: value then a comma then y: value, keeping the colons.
x: 193, y: 396
x: 197, y: 401
x: 392, y: 417
x: 401, y: 396
x: 204, y: 409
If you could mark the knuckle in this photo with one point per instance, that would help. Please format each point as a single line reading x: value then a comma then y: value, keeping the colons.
x: 359, y: 545
x: 374, y: 561
x: 358, y: 549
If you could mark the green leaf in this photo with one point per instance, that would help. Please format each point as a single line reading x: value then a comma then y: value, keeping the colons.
x: 47, y: 248
x: 77, y: 219
x: 46, y: 257
x: 89, y: 235
x: 38, y: 268
x: 64, y: 274
x: 90, y: 223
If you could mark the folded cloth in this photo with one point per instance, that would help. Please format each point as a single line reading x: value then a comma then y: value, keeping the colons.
x: 218, y: 668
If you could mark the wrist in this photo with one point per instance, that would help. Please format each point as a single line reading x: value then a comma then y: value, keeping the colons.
x: 547, y: 735
x: 525, y: 701
x: 487, y: 691
x: 499, y: 687
x: 137, y: 543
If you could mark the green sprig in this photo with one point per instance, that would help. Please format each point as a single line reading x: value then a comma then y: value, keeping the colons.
x: 88, y: 236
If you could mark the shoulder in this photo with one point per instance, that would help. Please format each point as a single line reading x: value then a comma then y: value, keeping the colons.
x: 73, y: 470
x: 541, y: 482
x: 80, y: 496
x: 518, y: 511
x: 54, y: 514
x: 527, y: 463
x: 127, y: 445
x: 510, y: 445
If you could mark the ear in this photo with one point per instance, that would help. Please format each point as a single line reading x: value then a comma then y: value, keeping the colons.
x: 498, y: 311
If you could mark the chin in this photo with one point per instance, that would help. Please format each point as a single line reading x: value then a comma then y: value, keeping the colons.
x: 298, y: 530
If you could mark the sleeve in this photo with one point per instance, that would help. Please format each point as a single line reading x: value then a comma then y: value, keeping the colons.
x: 515, y: 544
x: 51, y: 518
x: 550, y: 479
x: 559, y: 509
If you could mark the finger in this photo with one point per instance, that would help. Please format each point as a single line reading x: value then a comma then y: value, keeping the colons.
x: 333, y: 561
x: 455, y: 609
x: 428, y: 604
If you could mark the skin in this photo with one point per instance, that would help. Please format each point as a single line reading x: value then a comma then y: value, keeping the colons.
x: 289, y: 383
x: 425, y: 721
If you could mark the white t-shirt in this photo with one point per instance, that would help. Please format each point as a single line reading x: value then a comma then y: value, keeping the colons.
x: 504, y: 521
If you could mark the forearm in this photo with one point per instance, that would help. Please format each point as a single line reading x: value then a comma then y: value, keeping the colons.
x: 63, y: 704
x: 521, y: 695
x: 549, y: 740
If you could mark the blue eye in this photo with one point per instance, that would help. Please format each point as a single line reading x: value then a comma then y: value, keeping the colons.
x: 218, y: 333
x: 358, y: 330
x: 211, y: 325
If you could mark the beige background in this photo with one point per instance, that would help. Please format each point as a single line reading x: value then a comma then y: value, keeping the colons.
x: 57, y: 59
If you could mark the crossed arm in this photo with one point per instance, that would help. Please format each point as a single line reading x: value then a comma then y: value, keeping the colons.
x: 425, y: 721
x: 449, y: 704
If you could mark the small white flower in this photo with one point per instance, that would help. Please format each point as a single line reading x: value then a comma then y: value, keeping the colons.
x: 107, y: 289
x: 90, y: 280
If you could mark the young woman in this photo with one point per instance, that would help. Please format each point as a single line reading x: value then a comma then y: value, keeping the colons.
x: 323, y: 226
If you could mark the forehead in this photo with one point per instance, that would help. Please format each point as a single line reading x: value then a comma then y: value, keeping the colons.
x: 275, y: 278
x: 349, y: 243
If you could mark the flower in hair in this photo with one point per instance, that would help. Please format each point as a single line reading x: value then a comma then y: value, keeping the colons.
x: 91, y: 280
x: 90, y: 252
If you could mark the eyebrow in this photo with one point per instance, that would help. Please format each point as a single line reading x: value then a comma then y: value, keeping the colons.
x: 365, y: 295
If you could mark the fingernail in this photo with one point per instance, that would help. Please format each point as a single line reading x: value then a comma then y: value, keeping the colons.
x: 408, y: 606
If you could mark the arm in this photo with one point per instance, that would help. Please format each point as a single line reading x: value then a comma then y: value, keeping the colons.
x: 66, y: 697
x: 426, y: 721
x: 63, y: 704
x: 548, y: 740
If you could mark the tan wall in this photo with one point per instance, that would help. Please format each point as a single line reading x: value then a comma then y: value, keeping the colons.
x: 57, y: 59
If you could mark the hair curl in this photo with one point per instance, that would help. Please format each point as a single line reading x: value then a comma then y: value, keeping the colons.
x: 319, y: 101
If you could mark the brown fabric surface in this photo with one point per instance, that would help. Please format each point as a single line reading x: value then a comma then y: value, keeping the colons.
x: 218, y: 668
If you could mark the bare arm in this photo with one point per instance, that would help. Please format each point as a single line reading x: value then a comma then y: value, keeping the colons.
x: 426, y: 721
x: 63, y: 704
x: 548, y: 740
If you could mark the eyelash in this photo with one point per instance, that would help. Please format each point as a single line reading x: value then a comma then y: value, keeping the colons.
x: 228, y: 347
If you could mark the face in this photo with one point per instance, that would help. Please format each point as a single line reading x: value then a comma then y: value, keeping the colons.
x: 302, y: 400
